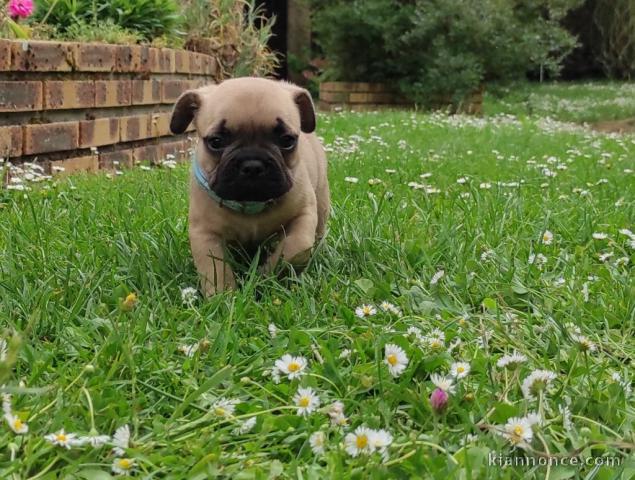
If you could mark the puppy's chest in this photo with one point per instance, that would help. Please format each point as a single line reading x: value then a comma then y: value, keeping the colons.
x: 254, y: 229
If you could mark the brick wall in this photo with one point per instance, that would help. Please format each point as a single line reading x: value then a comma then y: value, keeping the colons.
x: 83, y: 107
x: 361, y: 96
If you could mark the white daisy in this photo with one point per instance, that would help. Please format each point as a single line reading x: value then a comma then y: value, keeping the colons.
x: 245, y: 427
x: 273, y: 330
x: 346, y: 353
x: 365, y: 311
x: 317, y: 440
x: 444, y: 383
x: 351, y: 179
x: 536, y: 381
x: 121, y: 440
x: 188, y: 295
x: 336, y: 413
x: 380, y: 440
x: 61, y: 438
x: 460, y: 369
x: 15, y: 424
x: 436, y: 277
x: 539, y: 259
x: 3, y: 350
x: 599, y: 236
x: 518, y: 430
x: 292, y: 367
x: 122, y: 466
x: 396, y: 359
x: 435, y: 342
x: 389, y: 307
x: 224, y: 407
x: 358, y: 442
x: 547, y: 237
x: 6, y: 403
x: 94, y: 440
x: 511, y: 361
x: 189, y: 349
x: 584, y: 342
x: 306, y: 400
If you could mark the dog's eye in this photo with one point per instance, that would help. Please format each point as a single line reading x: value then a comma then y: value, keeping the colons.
x: 288, y: 142
x: 215, y: 143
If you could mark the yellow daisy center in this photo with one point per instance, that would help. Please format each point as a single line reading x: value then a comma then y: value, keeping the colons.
x: 125, y: 463
x: 460, y: 369
x: 293, y: 367
x: 220, y: 411
x: 519, y: 430
x: 366, y: 310
x: 435, y: 343
x: 361, y: 441
x: 304, y: 401
x: 392, y: 359
x: 60, y: 437
x: 545, y: 237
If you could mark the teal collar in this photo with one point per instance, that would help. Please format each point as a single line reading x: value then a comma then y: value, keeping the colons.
x: 247, y: 208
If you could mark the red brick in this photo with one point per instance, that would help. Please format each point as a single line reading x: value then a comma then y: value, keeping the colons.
x: 148, y: 153
x: 149, y: 59
x: 196, y: 63
x: 209, y: 65
x: 112, y: 93
x: 51, y: 137
x: 88, y: 163
x: 96, y: 133
x: 146, y: 92
x: 10, y: 141
x: 116, y: 160
x: 39, y: 56
x: 182, y: 61
x: 167, y: 60
x: 5, y: 55
x: 160, y: 124
x: 135, y: 127
x: 128, y: 58
x: 20, y: 96
x: 172, y: 89
x: 59, y: 95
x: 94, y: 57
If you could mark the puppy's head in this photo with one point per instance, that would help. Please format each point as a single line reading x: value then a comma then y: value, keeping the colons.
x: 249, y: 131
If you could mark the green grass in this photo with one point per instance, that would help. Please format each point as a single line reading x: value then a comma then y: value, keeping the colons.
x: 72, y: 252
x: 571, y: 101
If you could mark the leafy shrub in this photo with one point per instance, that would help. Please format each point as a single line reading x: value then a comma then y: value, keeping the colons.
x: 236, y: 31
x: 149, y: 18
x: 433, y: 48
x: 106, y: 32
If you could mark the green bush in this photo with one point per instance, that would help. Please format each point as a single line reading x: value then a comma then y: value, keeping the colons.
x: 433, y: 48
x: 149, y: 19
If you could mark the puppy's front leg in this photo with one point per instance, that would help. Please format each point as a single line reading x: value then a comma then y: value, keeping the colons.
x: 296, y: 242
x: 208, y: 253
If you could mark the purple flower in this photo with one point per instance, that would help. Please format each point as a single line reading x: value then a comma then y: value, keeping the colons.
x: 20, y: 8
x: 439, y: 400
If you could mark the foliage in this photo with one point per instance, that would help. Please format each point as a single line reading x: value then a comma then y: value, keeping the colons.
x: 72, y: 249
x: 442, y: 47
x: 616, y: 22
x: 237, y: 31
x: 106, y: 32
x: 147, y: 18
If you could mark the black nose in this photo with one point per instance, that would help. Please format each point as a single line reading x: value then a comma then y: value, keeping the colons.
x: 252, y: 168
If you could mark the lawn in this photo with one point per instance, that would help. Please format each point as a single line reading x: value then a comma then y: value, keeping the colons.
x: 568, y: 101
x: 488, y: 237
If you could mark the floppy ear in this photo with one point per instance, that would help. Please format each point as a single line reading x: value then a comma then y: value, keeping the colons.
x: 304, y: 102
x: 302, y: 99
x: 184, y: 110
